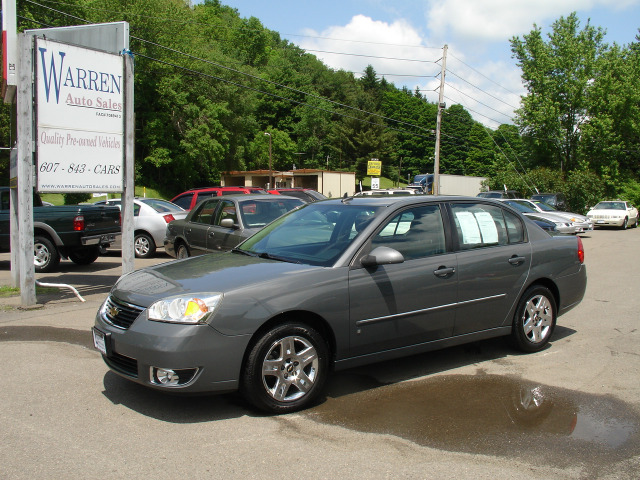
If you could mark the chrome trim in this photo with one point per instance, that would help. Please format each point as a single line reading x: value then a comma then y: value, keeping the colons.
x: 193, y: 378
x: 430, y: 309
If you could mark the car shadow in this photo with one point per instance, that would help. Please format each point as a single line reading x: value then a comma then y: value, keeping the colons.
x: 166, y: 407
x: 355, y: 380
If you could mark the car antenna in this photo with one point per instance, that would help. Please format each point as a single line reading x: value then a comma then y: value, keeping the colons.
x: 346, y: 198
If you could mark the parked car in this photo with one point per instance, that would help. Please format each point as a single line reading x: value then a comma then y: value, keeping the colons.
x: 191, y: 198
x: 150, y: 219
x: 337, y: 284
x: 500, y: 194
x: 222, y: 223
x: 388, y: 191
x: 556, y: 200
x: 562, y: 224
x: 76, y: 232
x: 617, y: 213
x: 582, y: 223
x: 307, y: 194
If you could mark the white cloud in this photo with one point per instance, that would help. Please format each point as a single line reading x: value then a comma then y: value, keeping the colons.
x: 496, y: 20
x: 393, y: 43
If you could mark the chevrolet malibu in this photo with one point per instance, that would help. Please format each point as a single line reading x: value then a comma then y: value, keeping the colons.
x: 337, y: 284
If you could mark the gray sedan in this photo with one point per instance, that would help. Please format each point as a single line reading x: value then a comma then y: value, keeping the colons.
x: 337, y: 284
x: 221, y: 223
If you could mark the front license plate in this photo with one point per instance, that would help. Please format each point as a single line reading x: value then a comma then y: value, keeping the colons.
x: 599, y: 221
x: 98, y: 341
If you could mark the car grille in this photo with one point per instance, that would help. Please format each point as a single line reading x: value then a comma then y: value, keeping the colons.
x: 120, y: 314
x: 125, y: 365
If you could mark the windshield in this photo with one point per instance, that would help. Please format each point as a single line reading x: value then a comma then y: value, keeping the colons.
x: 161, y: 206
x: 545, y: 207
x: 316, y: 234
x: 610, y: 206
x: 257, y: 213
x: 522, y: 207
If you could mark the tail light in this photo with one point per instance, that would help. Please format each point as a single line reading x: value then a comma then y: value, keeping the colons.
x: 168, y: 218
x: 78, y: 223
x: 580, y: 250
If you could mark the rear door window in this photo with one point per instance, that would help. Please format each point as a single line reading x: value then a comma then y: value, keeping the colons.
x: 479, y: 225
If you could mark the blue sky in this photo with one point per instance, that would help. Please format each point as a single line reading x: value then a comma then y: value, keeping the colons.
x: 410, y: 34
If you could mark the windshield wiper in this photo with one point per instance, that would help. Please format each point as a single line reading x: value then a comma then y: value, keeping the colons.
x: 276, y: 257
x: 244, y: 252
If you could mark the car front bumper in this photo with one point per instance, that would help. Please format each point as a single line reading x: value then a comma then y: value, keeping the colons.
x: 204, y: 359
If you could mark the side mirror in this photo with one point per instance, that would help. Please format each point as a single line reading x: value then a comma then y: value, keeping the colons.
x: 227, y: 223
x: 382, y: 256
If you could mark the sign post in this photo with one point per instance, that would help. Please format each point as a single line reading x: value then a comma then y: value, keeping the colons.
x: 374, y: 169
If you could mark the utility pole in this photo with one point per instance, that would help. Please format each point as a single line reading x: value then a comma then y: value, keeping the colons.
x: 441, y: 107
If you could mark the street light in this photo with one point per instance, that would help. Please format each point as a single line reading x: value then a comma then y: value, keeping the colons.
x: 270, y: 171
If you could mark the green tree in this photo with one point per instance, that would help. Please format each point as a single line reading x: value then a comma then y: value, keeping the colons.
x: 557, y: 75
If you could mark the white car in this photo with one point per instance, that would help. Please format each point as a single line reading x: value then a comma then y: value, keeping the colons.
x: 150, y: 219
x: 582, y: 223
x: 616, y: 213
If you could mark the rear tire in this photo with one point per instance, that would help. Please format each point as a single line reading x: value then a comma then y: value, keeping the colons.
x: 286, y: 369
x: 85, y: 256
x: 182, y: 251
x: 46, y: 257
x: 534, y: 320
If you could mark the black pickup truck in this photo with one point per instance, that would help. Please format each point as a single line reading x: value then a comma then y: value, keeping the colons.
x: 76, y: 232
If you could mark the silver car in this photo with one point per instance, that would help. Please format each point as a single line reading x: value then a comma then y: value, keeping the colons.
x: 563, y: 225
x: 150, y: 219
x: 581, y: 222
x: 337, y: 284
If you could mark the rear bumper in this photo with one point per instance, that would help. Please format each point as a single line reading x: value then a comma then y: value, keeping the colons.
x: 105, y: 239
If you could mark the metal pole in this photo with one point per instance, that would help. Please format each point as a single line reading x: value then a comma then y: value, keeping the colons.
x: 441, y: 106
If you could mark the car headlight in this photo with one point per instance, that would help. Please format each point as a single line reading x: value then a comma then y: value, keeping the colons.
x: 192, y: 309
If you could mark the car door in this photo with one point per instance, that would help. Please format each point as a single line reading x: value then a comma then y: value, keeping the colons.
x: 413, y: 302
x: 197, y: 228
x: 493, y: 263
x: 221, y: 237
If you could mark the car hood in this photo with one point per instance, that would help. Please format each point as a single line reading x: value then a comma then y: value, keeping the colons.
x: 215, y: 272
x: 607, y: 211
x: 549, y: 216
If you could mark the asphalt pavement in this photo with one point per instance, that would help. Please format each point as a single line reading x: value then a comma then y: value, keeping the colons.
x: 447, y: 414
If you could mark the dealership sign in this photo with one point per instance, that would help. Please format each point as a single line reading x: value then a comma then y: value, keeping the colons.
x: 80, y: 119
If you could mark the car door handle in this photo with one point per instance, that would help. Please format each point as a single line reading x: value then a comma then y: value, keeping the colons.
x: 444, y: 272
x: 211, y: 234
x: 516, y: 260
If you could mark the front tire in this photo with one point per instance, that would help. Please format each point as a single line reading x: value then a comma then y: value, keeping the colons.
x: 144, y: 246
x: 46, y: 257
x: 534, y: 320
x: 286, y: 369
x: 625, y: 223
x: 84, y: 256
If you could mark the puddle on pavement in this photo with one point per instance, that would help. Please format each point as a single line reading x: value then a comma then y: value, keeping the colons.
x: 46, y: 334
x: 491, y: 415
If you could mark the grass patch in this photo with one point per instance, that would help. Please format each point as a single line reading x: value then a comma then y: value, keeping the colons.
x: 384, y: 183
x: 139, y: 191
x: 7, y: 291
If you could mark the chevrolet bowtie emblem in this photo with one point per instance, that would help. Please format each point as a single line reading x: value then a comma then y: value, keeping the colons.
x: 113, y: 311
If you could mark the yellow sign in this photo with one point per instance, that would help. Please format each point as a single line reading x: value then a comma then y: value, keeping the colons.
x: 374, y: 167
